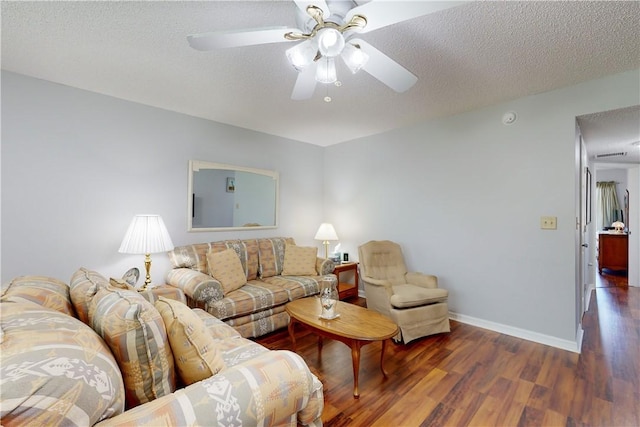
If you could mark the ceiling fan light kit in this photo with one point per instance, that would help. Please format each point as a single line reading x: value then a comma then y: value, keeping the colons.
x: 326, y: 31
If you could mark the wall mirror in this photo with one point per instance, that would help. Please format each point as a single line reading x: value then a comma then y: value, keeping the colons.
x: 225, y: 197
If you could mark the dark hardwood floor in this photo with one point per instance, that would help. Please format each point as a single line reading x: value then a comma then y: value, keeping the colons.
x: 610, y: 278
x: 476, y: 377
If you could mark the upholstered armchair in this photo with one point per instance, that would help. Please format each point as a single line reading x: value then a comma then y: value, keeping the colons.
x: 412, y: 300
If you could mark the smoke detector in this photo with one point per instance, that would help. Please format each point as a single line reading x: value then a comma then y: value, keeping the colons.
x: 509, y: 117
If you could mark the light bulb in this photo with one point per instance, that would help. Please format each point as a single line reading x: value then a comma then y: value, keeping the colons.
x: 330, y: 42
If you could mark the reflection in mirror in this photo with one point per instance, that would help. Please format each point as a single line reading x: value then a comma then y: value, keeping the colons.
x: 225, y: 197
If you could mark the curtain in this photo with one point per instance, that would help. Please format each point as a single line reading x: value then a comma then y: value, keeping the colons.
x: 608, y: 206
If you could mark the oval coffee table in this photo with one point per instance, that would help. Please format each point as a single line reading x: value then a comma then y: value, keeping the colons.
x: 356, y: 326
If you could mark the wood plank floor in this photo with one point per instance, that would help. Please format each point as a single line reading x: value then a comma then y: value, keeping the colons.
x: 476, y: 377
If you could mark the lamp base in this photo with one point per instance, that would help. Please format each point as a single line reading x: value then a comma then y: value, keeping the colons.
x: 147, y: 266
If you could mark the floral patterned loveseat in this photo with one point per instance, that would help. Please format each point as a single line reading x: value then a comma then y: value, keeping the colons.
x: 269, y: 272
x: 95, y: 353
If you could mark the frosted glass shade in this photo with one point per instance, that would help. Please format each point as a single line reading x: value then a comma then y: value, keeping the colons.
x: 354, y: 57
x: 301, y: 55
x: 326, y: 71
x: 146, y: 234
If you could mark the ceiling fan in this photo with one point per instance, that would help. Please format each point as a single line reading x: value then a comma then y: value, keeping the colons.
x: 328, y: 29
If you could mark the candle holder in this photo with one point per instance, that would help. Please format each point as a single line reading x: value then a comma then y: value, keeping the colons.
x: 329, y: 297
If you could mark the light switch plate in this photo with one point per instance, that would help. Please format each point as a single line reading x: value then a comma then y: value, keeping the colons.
x: 548, y: 222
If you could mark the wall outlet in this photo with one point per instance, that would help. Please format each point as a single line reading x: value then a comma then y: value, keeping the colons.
x: 548, y: 222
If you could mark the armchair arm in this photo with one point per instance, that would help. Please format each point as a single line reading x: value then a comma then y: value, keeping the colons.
x: 378, y: 283
x: 198, y: 287
x: 421, y: 279
x: 324, y: 266
x: 274, y: 388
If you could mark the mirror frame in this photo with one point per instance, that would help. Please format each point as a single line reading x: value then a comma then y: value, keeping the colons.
x: 196, y: 165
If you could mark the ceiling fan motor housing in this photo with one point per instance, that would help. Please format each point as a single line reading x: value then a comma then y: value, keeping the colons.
x: 338, y: 9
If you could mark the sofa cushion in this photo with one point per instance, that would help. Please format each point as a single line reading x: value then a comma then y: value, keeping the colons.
x: 83, y: 287
x: 253, y: 297
x: 299, y: 260
x: 271, y: 255
x: 226, y: 268
x: 407, y: 296
x: 297, y: 286
x: 55, y: 370
x: 194, y: 350
x: 44, y: 291
x: 135, y: 332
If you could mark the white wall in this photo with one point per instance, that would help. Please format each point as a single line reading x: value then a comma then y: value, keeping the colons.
x: 633, y: 184
x: 464, y: 196
x: 76, y: 167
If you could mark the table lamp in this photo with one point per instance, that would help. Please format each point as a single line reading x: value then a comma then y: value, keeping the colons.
x: 326, y: 232
x: 146, y: 235
x: 618, y: 226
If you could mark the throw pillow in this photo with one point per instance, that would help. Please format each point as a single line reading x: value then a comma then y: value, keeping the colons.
x: 193, y: 348
x: 82, y: 288
x: 271, y: 255
x: 299, y: 261
x: 135, y: 332
x: 226, y: 268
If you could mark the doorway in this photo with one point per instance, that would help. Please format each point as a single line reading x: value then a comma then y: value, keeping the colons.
x: 612, y: 181
x: 598, y: 137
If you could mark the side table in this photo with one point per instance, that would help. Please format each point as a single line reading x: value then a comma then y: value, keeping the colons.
x: 345, y: 289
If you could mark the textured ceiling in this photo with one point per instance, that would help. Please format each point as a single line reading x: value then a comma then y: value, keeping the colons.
x: 609, y: 132
x: 469, y: 56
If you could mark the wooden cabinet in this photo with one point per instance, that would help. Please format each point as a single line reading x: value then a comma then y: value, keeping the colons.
x: 347, y: 290
x: 613, y: 251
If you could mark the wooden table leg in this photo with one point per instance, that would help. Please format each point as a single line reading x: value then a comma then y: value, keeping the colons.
x: 355, y: 356
x: 384, y: 346
x: 291, y: 333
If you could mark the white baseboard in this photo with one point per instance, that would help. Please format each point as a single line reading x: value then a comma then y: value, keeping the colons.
x: 589, y: 293
x: 579, y: 337
x: 573, y: 346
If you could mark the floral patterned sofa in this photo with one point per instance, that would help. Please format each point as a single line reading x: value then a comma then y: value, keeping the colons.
x: 247, y: 283
x: 96, y: 353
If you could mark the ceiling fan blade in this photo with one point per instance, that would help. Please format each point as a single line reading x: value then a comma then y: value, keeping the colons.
x: 382, y: 13
x: 386, y: 69
x: 305, y: 84
x: 303, y: 4
x: 237, y: 38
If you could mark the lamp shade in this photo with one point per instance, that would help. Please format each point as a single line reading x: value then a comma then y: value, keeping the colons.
x: 326, y: 232
x: 146, y: 234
